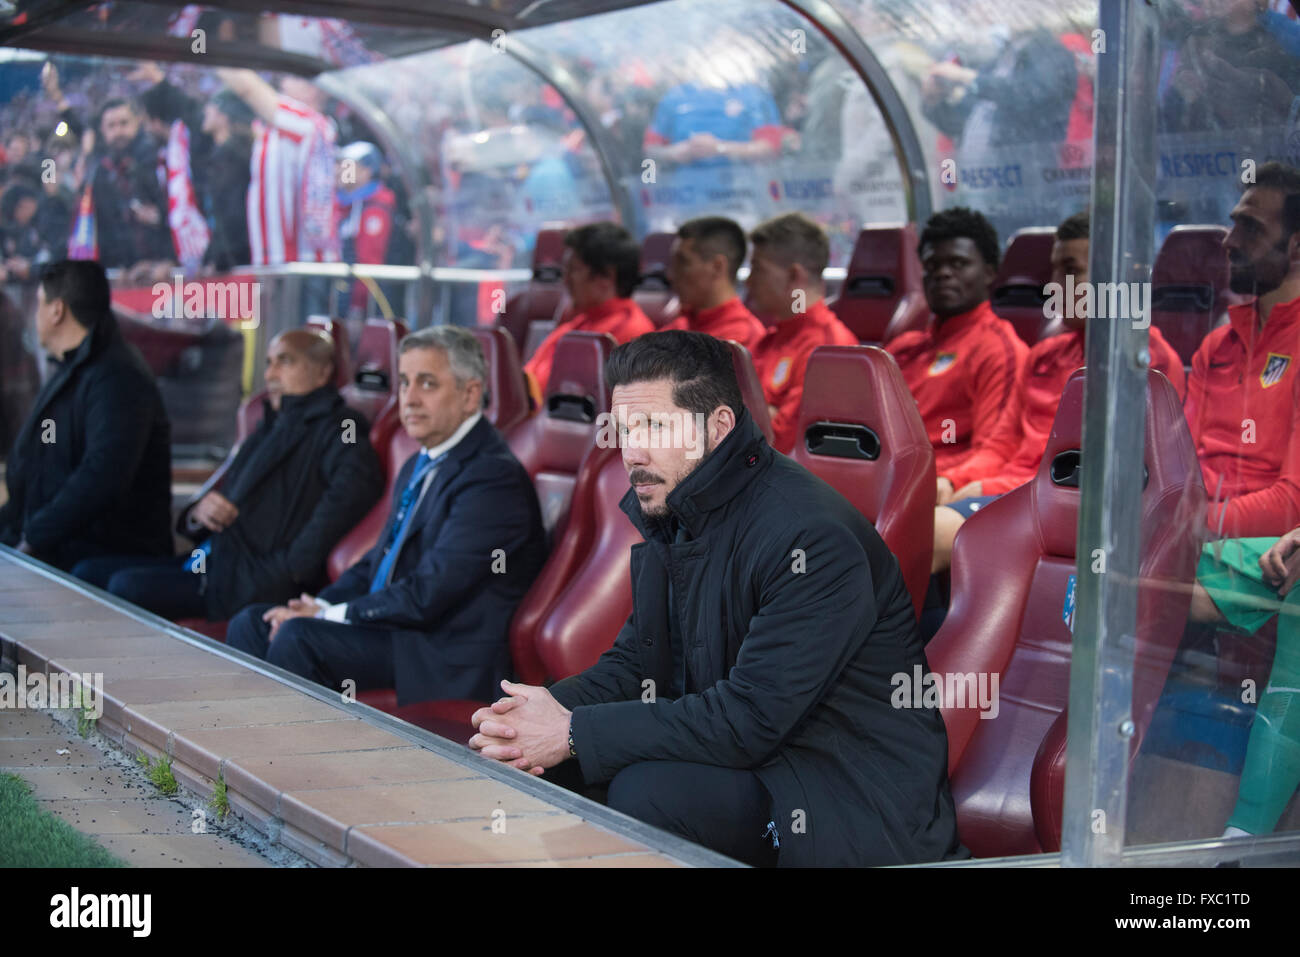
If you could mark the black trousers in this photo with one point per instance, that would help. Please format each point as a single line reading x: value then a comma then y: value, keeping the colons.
x: 159, y: 584
x: 724, y: 809
x: 326, y: 652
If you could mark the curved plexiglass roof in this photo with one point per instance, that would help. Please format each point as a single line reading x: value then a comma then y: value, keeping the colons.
x: 564, y: 111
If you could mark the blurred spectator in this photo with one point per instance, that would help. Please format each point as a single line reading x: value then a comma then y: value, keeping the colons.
x: 175, y: 119
x: 1024, y: 96
x: 291, y: 195
x: 128, y: 201
x: 226, y: 120
x: 1229, y: 72
x: 364, y: 212
x: 701, y: 126
x: 21, y: 246
x: 21, y: 160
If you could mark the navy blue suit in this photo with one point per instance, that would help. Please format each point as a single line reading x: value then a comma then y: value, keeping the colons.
x: 439, y: 629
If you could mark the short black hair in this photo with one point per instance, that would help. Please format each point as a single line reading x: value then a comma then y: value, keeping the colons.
x: 699, y: 366
x: 1077, y: 226
x: 717, y: 234
x: 608, y: 249
x: 82, y: 285
x: 163, y: 102
x: 1286, y: 180
x: 15, y: 193
x: 113, y: 104
x: 962, y: 222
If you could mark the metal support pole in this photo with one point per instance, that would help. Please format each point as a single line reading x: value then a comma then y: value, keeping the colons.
x: 907, y: 145
x: 1123, y: 228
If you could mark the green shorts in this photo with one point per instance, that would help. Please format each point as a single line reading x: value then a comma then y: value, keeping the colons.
x: 1229, y: 571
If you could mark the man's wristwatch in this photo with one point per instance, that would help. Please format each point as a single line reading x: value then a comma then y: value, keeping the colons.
x: 573, y: 751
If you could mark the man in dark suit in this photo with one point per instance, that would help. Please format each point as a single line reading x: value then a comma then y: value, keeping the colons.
x: 427, y: 609
x: 90, y: 471
x: 748, y: 702
x: 297, y: 484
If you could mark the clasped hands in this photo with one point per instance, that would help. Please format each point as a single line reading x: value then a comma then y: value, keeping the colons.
x: 528, y: 729
x: 304, y: 607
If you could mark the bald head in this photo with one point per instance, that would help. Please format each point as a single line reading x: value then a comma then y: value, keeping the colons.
x: 298, y: 361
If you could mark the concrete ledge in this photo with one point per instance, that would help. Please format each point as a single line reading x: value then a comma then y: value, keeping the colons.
x: 339, y: 783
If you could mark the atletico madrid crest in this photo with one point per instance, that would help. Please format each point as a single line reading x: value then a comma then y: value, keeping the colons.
x: 781, y: 373
x: 942, y: 362
x: 1274, y: 369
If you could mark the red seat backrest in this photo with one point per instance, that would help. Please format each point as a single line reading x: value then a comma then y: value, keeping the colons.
x: 374, y: 385
x: 1017, y: 291
x: 586, y: 616
x: 1009, y: 618
x: 751, y: 390
x: 882, y: 295
x: 506, y: 392
x: 653, y: 292
x: 1189, y: 287
x: 552, y: 444
x: 342, y: 350
x: 861, y: 433
x: 541, y: 298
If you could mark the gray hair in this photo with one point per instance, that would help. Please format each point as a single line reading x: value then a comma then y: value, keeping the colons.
x: 463, y: 350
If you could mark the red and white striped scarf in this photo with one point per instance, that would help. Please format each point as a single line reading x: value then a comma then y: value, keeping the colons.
x: 189, y: 228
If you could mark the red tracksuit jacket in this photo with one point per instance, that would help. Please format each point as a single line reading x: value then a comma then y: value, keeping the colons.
x: 964, y: 374
x: 781, y: 359
x: 621, y: 318
x: 1049, y: 365
x: 731, y: 320
x: 1242, y: 401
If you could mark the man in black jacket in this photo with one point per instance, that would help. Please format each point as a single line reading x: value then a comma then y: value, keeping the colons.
x: 130, y: 203
x: 746, y: 703
x: 90, y: 471
x: 304, y: 477
x: 427, y: 609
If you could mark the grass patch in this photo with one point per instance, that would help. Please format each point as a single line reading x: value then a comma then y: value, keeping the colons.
x: 160, y: 772
x: 85, y: 713
x: 220, y: 803
x: 30, y: 837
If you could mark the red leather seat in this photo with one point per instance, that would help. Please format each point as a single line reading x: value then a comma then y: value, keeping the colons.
x: 552, y: 444
x: 882, y: 295
x: 751, y: 390
x: 1009, y: 618
x: 1017, y: 291
x: 653, y: 293
x: 374, y: 384
x: 1189, y: 287
x: 540, y: 300
x: 507, y: 393
x: 342, y: 351
x: 863, y: 435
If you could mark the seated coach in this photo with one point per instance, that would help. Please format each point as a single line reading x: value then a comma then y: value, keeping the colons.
x: 90, y: 471
x: 304, y: 477
x: 746, y: 703
x: 427, y: 609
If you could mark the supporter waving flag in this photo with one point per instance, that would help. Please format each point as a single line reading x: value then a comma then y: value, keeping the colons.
x: 83, y: 243
x: 189, y: 229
